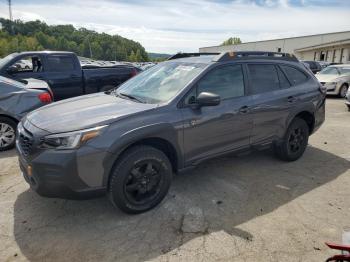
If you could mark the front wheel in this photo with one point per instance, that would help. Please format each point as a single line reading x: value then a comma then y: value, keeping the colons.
x: 140, y: 179
x: 7, y: 133
x: 295, y: 141
x: 343, y: 90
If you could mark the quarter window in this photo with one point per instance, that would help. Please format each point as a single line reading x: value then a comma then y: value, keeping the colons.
x: 295, y: 76
x: 284, y: 83
x: 264, y: 78
x: 226, y: 81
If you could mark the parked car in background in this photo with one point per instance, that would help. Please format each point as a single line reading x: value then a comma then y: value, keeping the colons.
x: 314, y: 66
x: 336, y: 79
x: 129, y: 142
x: 16, y: 100
x: 24, y: 64
x: 324, y: 64
x: 64, y: 73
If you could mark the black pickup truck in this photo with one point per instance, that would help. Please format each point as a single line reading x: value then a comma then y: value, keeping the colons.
x: 64, y: 73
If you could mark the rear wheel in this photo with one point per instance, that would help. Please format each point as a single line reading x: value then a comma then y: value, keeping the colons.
x: 295, y: 141
x: 140, y: 179
x: 343, y: 90
x: 7, y: 133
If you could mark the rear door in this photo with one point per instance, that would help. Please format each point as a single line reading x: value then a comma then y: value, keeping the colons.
x: 272, y: 100
x: 209, y: 131
x: 64, y: 76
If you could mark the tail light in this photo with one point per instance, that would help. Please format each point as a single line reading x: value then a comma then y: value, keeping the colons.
x: 45, y: 98
x: 134, y: 72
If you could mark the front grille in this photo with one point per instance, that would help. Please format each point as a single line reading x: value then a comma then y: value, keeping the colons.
x: 323, y: 83
x: 25, y: 141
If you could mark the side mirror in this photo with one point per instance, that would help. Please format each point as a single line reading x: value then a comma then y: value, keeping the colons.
x: 207, y: 99
x: 12, y: 70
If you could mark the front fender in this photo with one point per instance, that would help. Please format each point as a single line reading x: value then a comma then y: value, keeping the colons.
x: 164, y: 131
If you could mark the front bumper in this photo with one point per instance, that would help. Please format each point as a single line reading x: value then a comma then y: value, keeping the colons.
x: 69, y: 174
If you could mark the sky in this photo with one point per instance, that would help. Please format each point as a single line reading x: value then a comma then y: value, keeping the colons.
x: 170, y: 26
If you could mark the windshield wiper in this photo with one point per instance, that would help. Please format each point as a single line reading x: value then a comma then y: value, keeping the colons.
x: 131, y: 97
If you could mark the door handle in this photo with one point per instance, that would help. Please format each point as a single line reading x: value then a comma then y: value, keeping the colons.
x: 244, y: 109
x: 291, y: 99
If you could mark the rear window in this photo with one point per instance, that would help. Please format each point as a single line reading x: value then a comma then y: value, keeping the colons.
x: 264, y: 78
x: 294, y: 75
x: 61, y: 63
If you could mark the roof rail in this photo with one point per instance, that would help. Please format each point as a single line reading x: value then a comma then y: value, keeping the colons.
x: 246, y: 55
x: 184, y: 55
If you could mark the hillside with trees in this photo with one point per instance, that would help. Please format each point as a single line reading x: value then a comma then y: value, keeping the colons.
x: 36, y: 35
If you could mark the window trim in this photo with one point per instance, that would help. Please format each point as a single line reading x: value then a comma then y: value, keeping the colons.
x: 293, y: 85
x: 182, y: 103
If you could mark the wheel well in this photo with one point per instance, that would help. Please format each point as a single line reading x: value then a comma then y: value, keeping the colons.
x: 161, y: 144
x: 308, y: 118
x: 10, y: 117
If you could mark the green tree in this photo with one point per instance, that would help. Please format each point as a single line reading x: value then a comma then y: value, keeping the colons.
x: 232, y: 41
x: 36, y: 35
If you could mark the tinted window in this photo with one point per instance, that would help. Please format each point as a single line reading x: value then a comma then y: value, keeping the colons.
x: 295, y: 76
x: 226, y: 81
x: 264, y: 78
x: 283, y: 79
x: 61, y: 63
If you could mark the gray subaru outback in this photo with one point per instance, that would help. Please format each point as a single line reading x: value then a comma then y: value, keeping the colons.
x: 129, y: 142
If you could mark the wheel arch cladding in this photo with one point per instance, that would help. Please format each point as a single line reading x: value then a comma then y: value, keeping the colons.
x: 161, y: 137
x: 309, y: 118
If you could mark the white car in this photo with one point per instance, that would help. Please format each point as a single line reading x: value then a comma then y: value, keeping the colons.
x: 336, y: 79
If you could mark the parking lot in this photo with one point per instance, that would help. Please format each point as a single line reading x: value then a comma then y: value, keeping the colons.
x: 244, y: 208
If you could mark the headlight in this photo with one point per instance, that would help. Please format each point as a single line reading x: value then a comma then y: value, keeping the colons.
x: 70, y: 140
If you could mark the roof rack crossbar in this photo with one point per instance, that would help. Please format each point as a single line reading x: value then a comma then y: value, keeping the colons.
x: 243, y: 55
x: 184, y: 55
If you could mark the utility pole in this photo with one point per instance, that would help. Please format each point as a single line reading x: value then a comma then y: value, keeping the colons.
x: 88, y: 38
x: 10, y: 10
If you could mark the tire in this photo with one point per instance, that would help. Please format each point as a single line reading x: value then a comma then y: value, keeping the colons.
x: 343, y: 90
x: 7, y: 133
x: 140, y: 179
x: 295, y: 141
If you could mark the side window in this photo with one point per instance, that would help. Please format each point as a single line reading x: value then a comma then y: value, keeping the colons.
x: 284, y: 83
x: 225, y: 81
x: 294, y: 75
x: 264, y: 78
x: 59, y: 63
x: 28, y: 64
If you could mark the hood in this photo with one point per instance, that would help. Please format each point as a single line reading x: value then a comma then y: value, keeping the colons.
x: 327, y: 78
x: 84, y: 112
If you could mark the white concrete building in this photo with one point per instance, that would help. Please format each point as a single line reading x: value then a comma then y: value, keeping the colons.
x: 331, y: 47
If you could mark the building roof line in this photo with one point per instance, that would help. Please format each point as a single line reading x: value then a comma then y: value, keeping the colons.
x: 338, y: 42
x: 280, y: 39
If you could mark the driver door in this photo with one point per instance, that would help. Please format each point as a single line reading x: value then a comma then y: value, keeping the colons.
x: 213, y: 130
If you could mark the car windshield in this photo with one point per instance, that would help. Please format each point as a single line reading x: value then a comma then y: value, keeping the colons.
x: 6, y: 59
x: 330, y: 71
x: 160, y: 83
